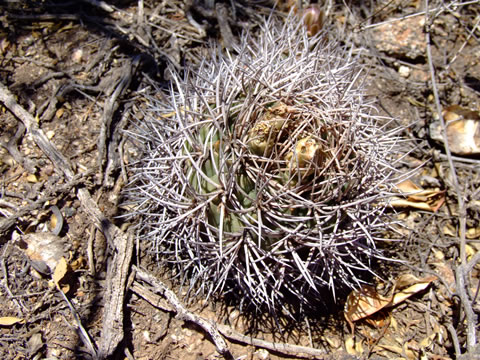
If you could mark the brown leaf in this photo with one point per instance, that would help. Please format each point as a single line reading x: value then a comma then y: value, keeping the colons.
x: 379, y: 320
x: 60, y: 112
x: 400, y: 350
x: 32, y: 178
x: 353, y: 347
x: 418, y: 198
x: 463, y: 130
x: 408, y: 285
x: 473, y: 233
x: 44, y: 250
x: 60, y: 271
x: 4, y: 44
x: 10, y: 320
x: 363, y: 303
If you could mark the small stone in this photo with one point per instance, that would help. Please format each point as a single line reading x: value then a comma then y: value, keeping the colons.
x: 262, y: 354
x: 77, y: 56
x: 32, y: 178
x: 401, y: 39
x: 404, y: 71
x: 146, y: 335
x: 50, y: 134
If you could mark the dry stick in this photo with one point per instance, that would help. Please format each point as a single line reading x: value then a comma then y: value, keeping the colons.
x: 287, y: 349
x: 154, y: 299
x: 91, y: 259
x: 222, y: 18
x: 112, y: 332
x: 227, y: 331
x: 188, y: 11
x: 83, y: 332
x: 454, y: 336
x: 11, y: 146
x: 8, y: 222
x: 460, y: 271
x: 470, y: 35
x: 140, y: 13
x: 425, y: 13
x: 115, y: 154
x: 101, y: 4
x: 185, y: 315
x: 117, y: 275
x: 110, y: 106
x: 18, y: 303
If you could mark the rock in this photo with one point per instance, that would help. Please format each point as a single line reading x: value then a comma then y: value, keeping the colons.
x: 404, y: 71
x: 402, y: 39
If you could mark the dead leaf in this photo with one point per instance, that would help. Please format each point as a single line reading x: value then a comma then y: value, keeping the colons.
x: 473, y: 233
x: 10, y: 320
x: 333, y: 342
x: 287, y: 5
x: 400, y: 350
x: 449, y: 230
x: 379, y: 320
x: 4, y: 44
x: 392, y: 348
x: 363, y: 303
x: 59, y: 112
x: 444, y: 270
x: 438, y: 255
x: 408, y: 285
x: 60, y: 271
x: 394, y: 324
x: 35, y: 343
x: 79, y: 263
x: 463, y: 130
x: 43, y: 249
x: 32, y: 178
x: 417, y: 197
x: 427, y: 341
x: 53, y: 221
x: 350, y: 345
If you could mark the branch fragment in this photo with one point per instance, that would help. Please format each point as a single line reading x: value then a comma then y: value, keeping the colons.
x: 184, y: 314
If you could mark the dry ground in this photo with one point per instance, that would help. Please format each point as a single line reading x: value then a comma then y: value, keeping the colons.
x: 82, y: 70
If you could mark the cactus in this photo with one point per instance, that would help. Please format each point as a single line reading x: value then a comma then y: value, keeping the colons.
x: 266, y: 173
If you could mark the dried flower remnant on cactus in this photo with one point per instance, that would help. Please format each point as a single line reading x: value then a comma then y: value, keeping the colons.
x: 313, y: 18
x: 264, y: 172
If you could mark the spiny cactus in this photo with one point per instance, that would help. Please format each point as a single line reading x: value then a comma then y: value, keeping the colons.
x: 266, y: 172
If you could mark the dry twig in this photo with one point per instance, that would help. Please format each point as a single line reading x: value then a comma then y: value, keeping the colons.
x: 287, y: 349
x: 174, y: 305
x: 461, y: 272
x: 83, y: 333
x: 127, y: 72
x: 11, y: 146
x: 112, y: 332
x: 8, y: 222
x: 184, y: 314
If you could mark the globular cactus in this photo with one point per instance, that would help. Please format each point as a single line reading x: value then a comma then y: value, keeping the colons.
x: 266, y: 172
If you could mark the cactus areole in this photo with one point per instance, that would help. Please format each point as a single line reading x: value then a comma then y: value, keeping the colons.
x: 266, y: 172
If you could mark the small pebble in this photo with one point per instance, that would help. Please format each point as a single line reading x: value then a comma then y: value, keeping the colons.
x: 404, y: 71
